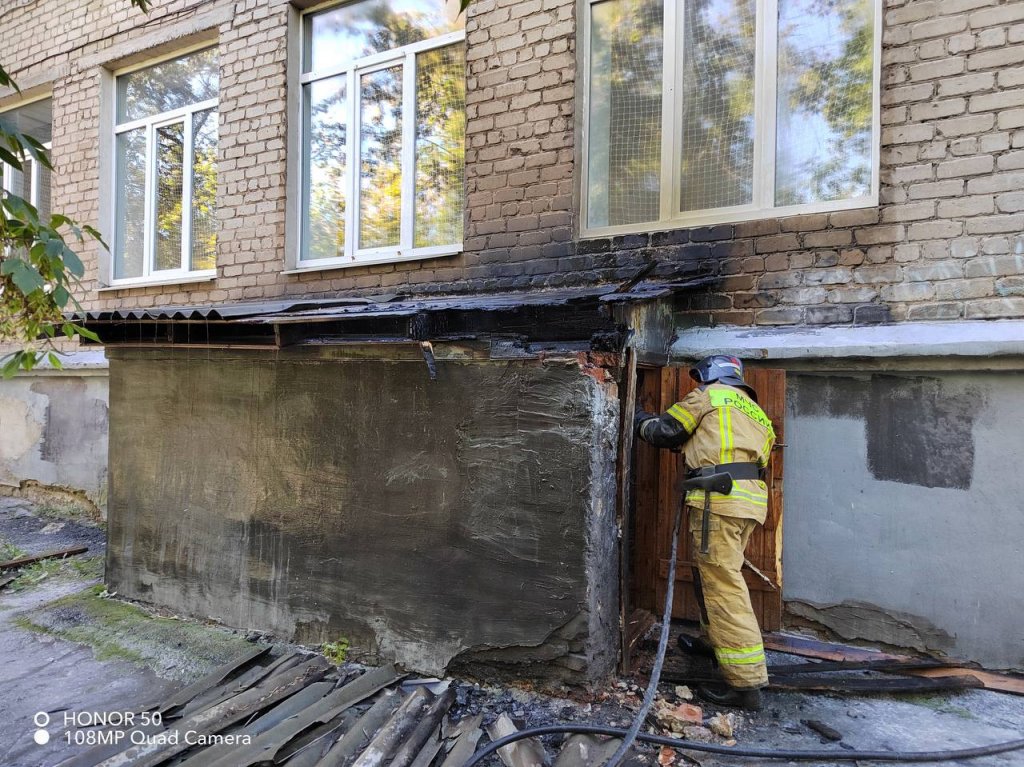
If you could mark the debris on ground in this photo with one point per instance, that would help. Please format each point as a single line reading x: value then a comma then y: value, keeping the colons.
x: 829, y: 733
x: 674, y: 717
x: 723, y: 725
x: 683, y: 692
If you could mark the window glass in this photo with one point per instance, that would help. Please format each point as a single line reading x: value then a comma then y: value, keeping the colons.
x: 130, y: 207
x: 825, y: 100
x: 359, y: 29
x: 325, y: 167
x: 770, y: 105
x: 624, y: 164
x: 440, y: 136
x: 32, y: 182
x: 204, y: 189
x: 168, y: 86
x: 383, y: 131
x: 380, y: 162
x: 166, y: 168
x: 717, y: 104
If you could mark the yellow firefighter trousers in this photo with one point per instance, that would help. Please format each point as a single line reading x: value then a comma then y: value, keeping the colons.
x: 727, y: 617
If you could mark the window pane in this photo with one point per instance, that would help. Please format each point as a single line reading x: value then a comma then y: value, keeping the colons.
x: 43, y: 195
x: 170, y: 162
x: 351, y: 31
x: 35, y: 119
x: 717, y: 104
x: 204, y: 190
x: 440, y: 140
x: 825, y: 100
x: 19, y: 182
x: 324, y: 165
x: 624, y: 151
x: 170, y: 85
x: 380, y: 157
x: 130, y: 196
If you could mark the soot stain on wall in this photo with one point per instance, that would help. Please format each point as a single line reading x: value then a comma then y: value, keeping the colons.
x: 919, y: 429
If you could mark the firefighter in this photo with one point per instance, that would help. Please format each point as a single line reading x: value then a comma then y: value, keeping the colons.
x: 720, y: 428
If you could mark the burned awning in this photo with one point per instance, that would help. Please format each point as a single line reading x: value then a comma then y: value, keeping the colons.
x: 581, y: 315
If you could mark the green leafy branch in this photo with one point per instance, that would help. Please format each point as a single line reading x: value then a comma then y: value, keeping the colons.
x: 39, y: 271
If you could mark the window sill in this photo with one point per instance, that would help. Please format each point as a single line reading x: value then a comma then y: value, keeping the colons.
x: 349, y: 263
x: 183, y: 279
x: 739, y: 215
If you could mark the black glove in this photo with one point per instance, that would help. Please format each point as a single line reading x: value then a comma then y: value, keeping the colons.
x: 639, y: 416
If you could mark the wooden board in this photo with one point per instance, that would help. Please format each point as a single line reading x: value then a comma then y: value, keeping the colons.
x: 658, y: 474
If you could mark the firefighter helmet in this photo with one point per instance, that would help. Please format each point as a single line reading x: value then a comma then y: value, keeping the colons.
x: 721, y: 368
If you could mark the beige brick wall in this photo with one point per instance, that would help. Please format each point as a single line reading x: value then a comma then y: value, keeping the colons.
x: 945, y: 243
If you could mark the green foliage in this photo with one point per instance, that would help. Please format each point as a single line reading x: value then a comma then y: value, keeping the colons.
x: 336, y: 652
x: 39, y: 271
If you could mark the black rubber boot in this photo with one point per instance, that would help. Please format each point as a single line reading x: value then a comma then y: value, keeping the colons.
x: 695, y: 646
x: 731, y: 696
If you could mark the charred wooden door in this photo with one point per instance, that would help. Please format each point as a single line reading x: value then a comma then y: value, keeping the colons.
x: 658, y: 474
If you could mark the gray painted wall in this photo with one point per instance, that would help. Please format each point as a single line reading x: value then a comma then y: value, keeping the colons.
x: 53, y: 429
x: 467, y: 521
x: 904, y: 518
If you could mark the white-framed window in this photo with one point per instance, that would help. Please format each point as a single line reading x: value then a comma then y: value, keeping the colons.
x: 32, y: 182
x: 708, y: 111
x: 382, y: 125
x: 165, y: 170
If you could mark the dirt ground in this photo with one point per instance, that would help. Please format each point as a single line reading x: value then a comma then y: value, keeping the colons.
x: 68, y: 646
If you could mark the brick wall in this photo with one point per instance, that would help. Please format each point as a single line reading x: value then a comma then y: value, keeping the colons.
x: 945, y: 243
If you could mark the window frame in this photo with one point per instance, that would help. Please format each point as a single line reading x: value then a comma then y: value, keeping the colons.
x: 765, y: 124
x: 353, y: 69
x: 6, y: 171
x: 182, y: 115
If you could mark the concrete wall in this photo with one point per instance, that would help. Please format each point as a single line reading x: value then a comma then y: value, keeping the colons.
x: 902, y: 519
x: 53, y: 432
x: 465, y: 522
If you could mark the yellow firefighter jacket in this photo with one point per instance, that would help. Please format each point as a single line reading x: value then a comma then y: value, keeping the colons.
x: 719, y: 424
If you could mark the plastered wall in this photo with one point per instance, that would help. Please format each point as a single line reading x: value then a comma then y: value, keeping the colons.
x: 903, y: 521
x: 467, y: 520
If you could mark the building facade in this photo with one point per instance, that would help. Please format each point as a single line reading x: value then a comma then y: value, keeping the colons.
x: 284, y: 188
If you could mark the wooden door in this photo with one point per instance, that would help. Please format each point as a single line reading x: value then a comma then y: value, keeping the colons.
x: 657, y: 476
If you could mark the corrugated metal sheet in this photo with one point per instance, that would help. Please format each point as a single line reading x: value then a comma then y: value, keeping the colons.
x: 313, y: 310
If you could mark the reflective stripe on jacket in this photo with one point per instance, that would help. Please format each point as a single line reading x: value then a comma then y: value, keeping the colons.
x: 719, y: 424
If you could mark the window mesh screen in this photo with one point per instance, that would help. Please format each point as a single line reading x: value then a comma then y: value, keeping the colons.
x: 440, y: 138
x: 624, y: 152
x: 170, y: 151
x: 825, y: 102
x: 204, y: 189
x: 717, y: 104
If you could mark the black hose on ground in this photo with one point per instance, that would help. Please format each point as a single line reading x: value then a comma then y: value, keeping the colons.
x: 754, y: 753
x: 659, y: 661
x: 633, y: 733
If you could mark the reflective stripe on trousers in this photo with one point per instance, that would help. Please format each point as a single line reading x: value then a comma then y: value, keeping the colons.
x: 732, y: 627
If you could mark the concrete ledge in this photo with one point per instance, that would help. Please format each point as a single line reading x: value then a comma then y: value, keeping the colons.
x: 908, y: 339
x: 92, y: 360
x: 170, y: 35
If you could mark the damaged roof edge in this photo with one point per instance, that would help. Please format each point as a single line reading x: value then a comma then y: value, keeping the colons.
x: 968, y: 338
x: 312, y: 309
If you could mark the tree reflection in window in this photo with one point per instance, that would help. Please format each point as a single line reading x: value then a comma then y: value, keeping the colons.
x: 825, y: 100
